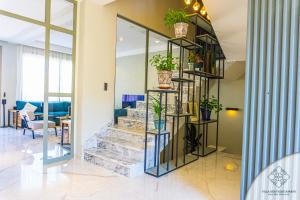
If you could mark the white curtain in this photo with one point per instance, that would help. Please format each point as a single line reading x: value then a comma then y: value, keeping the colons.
x: 32, y: 74
x: 32, y: 69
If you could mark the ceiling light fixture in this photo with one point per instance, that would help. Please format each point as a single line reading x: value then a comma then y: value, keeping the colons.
x: 157, y: 41
x: 203, y: 11
x: 188, y: 2
x: 196, y: 6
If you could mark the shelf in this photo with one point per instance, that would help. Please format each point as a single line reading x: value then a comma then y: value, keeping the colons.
x: 207, y: 150
x: 179, y: 115
x: 182, y: 80
x: 202, y: 74
x: 208, y: 39
x: 200, y: 21
x: 155, y: 132
x: 185, y: 43
x: 189, y: 158
x: 204, y: 122
x: 163, y: 90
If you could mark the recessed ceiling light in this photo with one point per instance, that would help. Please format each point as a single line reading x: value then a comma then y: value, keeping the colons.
x: 157, y: 41
x: 121, y: 39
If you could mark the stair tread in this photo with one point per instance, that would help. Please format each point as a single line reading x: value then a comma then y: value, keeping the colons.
x: 123, y: 142
x: 129, y: 130
x: 113, y: 157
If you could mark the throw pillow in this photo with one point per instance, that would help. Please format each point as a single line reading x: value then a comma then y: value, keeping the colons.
x: 30, y: 107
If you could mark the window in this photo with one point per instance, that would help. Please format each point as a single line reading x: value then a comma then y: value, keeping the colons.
x: 33, y: 69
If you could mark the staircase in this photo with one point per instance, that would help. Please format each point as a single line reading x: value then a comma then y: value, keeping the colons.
x: 121, y: 148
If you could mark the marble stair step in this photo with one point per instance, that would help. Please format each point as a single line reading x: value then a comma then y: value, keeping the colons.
x: 133, y: 135
x: 125, y: 148
x: 139, y: 114
x: 115, y: 162
x: 126, y: 122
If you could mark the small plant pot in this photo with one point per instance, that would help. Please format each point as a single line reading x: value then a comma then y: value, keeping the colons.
x: 191, y: 66
x: 164, y: 79
x: 162, y: 124
x: 205, y: 114
x: 181, y: 29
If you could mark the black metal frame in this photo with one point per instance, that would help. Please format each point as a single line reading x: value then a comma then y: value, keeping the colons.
x: 205, y: 42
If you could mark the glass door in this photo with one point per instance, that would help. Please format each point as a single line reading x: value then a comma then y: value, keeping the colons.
x: 59, y: 81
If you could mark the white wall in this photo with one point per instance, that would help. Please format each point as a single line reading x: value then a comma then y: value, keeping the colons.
x: 9, y: 75
x: 130, y: 77
x: 231, y: 122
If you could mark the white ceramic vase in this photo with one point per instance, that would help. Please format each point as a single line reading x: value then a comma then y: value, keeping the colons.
x: 164, y: 79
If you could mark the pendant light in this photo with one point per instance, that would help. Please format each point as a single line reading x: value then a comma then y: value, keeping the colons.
x: 196, y: 6
x: 203, y: 11
x: 188, y: 2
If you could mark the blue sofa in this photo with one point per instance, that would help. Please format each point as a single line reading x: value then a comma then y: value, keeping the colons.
x: 55, y: 109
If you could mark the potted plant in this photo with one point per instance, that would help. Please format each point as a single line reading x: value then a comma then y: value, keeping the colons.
x: 191, y: 61
x: 164, y: 66
x: 208, y: 105
x: 158, y: 110
x: 178, y: 19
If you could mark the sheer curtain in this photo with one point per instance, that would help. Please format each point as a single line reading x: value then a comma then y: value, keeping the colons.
x: 32, y: 74
x: 32, y: 70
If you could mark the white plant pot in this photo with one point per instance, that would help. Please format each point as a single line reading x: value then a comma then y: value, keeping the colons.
x: 191, y: 66
x: 164, y: 79
x: 181, y: 29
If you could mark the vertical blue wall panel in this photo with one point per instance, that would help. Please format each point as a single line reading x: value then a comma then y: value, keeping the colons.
x: 272, y: 96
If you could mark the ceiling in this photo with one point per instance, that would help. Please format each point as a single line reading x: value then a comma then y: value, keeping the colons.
x: 229, y: 19
x: 131, y: 39
x: 21, y: 32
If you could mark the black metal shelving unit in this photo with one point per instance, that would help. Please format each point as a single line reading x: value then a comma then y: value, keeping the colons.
x: 168, y: 154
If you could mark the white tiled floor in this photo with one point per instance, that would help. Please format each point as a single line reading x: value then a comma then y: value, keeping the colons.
x: 22, y: 176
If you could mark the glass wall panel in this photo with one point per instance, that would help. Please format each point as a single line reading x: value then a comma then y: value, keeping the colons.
x: 130, y: 66
x: 59, y: 126
x: 60, y: 63
x: 158, y: 44
x: 62, y: 14
x: 34, y: 9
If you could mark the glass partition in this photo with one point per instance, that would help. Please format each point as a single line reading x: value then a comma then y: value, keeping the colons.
x: 62, y: 13
x: 130, y: 66
x: 28, y: 8
x: 46, y: 68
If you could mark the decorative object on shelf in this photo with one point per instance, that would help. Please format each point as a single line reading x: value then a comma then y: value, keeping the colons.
x: 177, y: 105
x: 191, y: 61
x: 178, y: 19
x: 3, y: 110
x: 164, y: 66
x: 208, y: 105
x: 198, y: 61
x: 158, y: 109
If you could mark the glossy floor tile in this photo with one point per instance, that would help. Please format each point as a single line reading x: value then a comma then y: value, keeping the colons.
x: 22, y: 176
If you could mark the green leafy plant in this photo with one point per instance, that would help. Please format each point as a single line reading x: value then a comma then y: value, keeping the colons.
x: 175, y: 16
x: 191, y: 57
x: 161, y: 63
x: 211, y: 104
x: 157, y: 108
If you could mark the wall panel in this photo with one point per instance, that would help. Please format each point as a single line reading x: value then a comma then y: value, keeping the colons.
x: 272, y: 91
